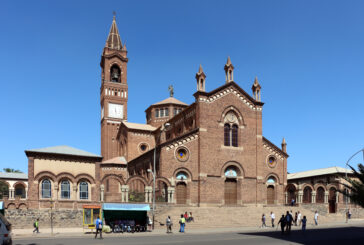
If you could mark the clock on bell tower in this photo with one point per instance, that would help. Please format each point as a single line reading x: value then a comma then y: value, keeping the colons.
x: 113, y: 91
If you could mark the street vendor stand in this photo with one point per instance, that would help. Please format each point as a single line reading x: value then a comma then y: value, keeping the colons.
x: 90, y: 214
x: 132, y: 216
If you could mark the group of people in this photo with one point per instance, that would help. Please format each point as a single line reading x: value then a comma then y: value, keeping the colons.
x: 286, y: 221
x: 185, y: 218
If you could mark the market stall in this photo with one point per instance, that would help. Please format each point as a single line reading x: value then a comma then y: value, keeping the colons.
x: 122, y: 217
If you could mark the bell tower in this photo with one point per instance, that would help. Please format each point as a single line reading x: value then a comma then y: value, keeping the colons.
x: 113, y: 91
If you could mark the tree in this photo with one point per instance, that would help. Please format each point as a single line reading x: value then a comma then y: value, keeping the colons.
x: 4, y: 190
x: 11, y: 170
x: 355, y: 186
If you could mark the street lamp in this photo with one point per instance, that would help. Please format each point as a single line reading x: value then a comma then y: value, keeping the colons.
x: 346, y: 175
x: 164, y: 127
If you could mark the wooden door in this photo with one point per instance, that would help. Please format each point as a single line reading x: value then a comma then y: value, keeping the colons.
x: 181, y: 193
x: 231, y: 192
x: 270, y: 195
x: 332, y: 200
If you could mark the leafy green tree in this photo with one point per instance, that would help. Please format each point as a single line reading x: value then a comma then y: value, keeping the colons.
x: 355, y: 186
x: 11, y: 170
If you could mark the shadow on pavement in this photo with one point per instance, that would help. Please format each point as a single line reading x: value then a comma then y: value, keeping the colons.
x: 341, y: 235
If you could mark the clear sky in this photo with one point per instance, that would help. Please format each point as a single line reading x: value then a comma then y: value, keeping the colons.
x: 307, y: 55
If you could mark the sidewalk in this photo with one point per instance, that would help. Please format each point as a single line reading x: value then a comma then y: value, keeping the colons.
x: 78, y: 232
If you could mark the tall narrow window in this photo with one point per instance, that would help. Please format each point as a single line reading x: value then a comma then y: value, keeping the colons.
x: 115, y: 74
x: 156, y: 113
x: 234, y: 135
x: 46, y: 189
x: 161, y: 112
x: 65, y: 189
x: 227, y: 135
x: 166, y: 112
x: 84, y: 190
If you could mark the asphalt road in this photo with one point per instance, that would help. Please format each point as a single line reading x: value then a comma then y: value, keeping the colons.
x: 346, y: 235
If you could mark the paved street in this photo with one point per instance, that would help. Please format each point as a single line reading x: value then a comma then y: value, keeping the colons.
x: 340, y: 235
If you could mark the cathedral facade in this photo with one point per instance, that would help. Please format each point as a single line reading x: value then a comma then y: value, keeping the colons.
x: 211, y: 152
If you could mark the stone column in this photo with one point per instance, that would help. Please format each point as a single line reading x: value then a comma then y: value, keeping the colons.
x: 126, y: 193
x: 313, y: 197
x: 326, y: 197
x: 337, y: 197
x: 11, y: 193
x: 102, y: 189
x: 286, y: 197
x: 170, y: 194
x: 300, y: 195
x: 55, y: 188
x: 74, y: 192
x: 26, y: 193
x: 148, y: 194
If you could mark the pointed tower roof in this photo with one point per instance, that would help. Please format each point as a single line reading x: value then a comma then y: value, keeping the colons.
x: 256, y: 84
x: 284, y: 141
x: 113, y: 40
x: 228, y: 63
x: 200, y: 72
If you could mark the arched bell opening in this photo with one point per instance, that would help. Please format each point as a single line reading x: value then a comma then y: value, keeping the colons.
x: 115, y: 74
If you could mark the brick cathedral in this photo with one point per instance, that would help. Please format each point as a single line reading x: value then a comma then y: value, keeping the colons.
x: 211, y: 152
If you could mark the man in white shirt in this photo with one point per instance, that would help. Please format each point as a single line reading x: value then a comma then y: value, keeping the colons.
x: 299, y: 218
x: 273, y: 217
x: 316, y: 218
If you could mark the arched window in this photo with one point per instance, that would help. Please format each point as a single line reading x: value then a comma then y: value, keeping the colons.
x: 20, y: 191
x: 320, y: 195
x: 115, y: 74
x: 181, y: 176
x: 227, y: 135
x: 65, y: 189
x: 271, y: 180
x: 231, y: 132
x: 307, y: 195
x: 234, y: 135
x: 83, y: 190
x: 46, y: 189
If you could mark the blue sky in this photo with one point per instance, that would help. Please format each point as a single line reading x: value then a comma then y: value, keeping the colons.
x: 307, y: 55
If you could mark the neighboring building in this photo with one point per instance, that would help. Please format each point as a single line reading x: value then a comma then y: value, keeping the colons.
x: 319, y: 187
x: 14, y: 189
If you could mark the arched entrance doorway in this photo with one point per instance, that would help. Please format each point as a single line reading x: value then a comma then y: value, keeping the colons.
x: 332, y: 200
x: 270, y: 195
x: 181, y: 192
x: 270, y: 190
x: 136, y: 191
x: 231, y: 192
x: 231, y: 186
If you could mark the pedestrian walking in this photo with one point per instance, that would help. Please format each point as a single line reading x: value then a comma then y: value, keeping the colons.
x: 169, y: 224
x: 182, y: 223
x: 263, y: 221
x: 273, y: 217
x: 348, y: 215
x: 316, y: 218
x: 289, y: 220
x: 36, y: 226
x: 282, y: 221
x: 299, y: 218
x: 98, y: 227
x: 295, y: 218
x: 304, y: 221
x: 292, y: 202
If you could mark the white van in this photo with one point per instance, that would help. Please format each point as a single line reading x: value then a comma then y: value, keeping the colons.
x: 5, y: 229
